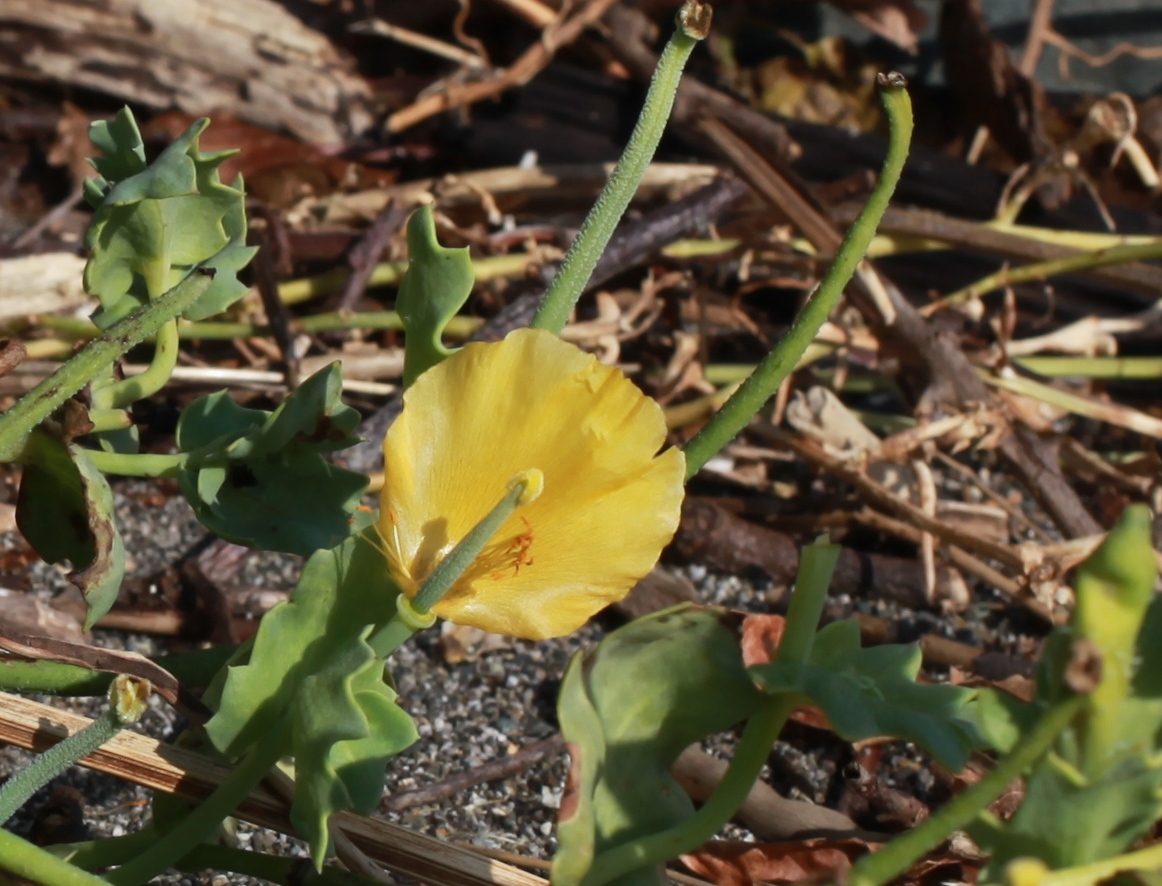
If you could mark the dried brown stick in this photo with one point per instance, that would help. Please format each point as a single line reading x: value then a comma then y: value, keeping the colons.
x: 884, y: 497
x: 266, y: 281
x: 493, y: 770
x: 712, y: 536
x: 527, y: 66
x: 365, y: 254
x: 765, y: 812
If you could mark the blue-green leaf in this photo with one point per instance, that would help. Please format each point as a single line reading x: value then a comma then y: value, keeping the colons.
x: 628, y: 709
x: 437, y: 284
x: 873, y: 692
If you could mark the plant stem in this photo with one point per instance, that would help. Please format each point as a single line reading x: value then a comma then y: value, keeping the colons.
x: 566, y: 288
x: 777, y: 365
x: 1086, y: 261
x: 39, y: 403
x: 124, y: 393
x: 194, y: 669
x: 127, y: 697
x: 138, y: 464
x: 109, y: 420
x: 212, y: 330
x: 902, y: 852
x: 203, y: 819
x: 22, y: 859
x: 814, y: 577
x: 816, y: 565
x: 761, y: 731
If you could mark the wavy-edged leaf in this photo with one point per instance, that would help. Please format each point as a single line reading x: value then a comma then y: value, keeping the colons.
x: 346, y: 726
x: 628, y: 709
x: 339, y: 593
x: 154, y: 223
x: 873, y: 692
x: 437, y: 284
x: 271, y: 488
x: 297, y: 503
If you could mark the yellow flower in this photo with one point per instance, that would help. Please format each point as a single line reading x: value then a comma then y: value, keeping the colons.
x: 474, y: 422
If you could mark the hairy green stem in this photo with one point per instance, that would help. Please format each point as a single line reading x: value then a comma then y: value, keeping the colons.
x: 39, y: 403
x: 902, y: 852
x: 811, y: 583
x: 566, y: 288
x: 127, y: 697
x: 777, y: 365
x: 31, y: 863
x: 203, y: 819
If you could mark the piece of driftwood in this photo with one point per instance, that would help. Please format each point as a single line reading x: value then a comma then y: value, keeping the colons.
x: 253, y: 60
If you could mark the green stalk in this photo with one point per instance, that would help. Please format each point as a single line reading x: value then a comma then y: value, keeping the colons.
x: 214, y: 330
x: 204, y: 819
x: 1113, y: 255
x: 124, y: 393
x: 693, y: 24
x: 137, y: 464
x: 21, y: 859
x: 39, y: 403
x: 762, y: 730
x: 904, y: 851
x: 777, y: 365
x: 194, y: 669
x: 127, y: 699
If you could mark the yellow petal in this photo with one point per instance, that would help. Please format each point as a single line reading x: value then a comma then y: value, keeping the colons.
x: 486, y: 414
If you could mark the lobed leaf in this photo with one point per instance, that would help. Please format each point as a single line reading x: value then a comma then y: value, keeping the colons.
x: 873, y: 692
x: 267, y: 485
x: 310, y: 666
x: 628, y: 709
x: 153, y: 223
x: 437, y: 283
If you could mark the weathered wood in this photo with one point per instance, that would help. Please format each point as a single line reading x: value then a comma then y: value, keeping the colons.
x: 253, y: 60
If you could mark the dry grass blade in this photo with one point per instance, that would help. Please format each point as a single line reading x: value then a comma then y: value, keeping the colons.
x: 148, y: 762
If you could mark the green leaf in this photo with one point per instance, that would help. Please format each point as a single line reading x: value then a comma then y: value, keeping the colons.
x: 346, y: 727
x: 296, y: 502
x: 214, y: 419
x: 339, y: 593
x: 1066, y: 821
x: 314, y: 415
x: 437, y: 284
x: 154, y: 223
x: 872, y: 692
x: 310, y: 661
x: 65, y: 510
x: 628, y: 709
x: 266, y: 484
